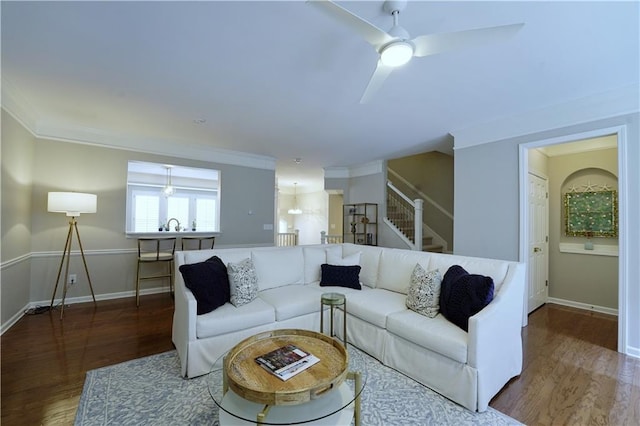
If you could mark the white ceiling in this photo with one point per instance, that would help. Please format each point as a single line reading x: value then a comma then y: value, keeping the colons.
x: 282, y: 80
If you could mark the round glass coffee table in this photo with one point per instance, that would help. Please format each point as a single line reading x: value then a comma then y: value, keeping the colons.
x: 327, y: 393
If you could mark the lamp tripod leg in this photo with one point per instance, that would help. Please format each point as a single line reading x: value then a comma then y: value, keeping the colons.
x: 66, y: 270
x: 67, y: 244
x: 86, y: 269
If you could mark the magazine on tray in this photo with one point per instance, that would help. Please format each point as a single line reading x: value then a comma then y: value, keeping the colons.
x: 286, y: 361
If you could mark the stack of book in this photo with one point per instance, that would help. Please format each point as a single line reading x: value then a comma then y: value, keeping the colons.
x: 286, y: 361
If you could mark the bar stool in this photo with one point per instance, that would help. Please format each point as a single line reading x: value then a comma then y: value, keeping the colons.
x: 155, y: 250
x: 333, y: 300
x: 198, y: 243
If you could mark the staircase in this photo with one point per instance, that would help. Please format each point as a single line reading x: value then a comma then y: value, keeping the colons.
x: 403, y: 220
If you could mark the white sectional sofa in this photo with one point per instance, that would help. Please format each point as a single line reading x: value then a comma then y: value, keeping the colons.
x: 467, y: 367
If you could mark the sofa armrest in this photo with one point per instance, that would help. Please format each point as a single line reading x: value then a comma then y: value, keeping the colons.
x: 184, y: 315
x: 495, y: 339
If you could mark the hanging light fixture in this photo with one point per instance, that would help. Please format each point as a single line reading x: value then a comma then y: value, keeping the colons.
x: 168, y: 189
x: 295, y: 209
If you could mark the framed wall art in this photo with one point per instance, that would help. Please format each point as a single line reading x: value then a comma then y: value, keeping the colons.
x: 591, y: 214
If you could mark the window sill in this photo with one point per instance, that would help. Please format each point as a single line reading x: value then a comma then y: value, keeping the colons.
x: 161, y: 234
x: 598, y: 249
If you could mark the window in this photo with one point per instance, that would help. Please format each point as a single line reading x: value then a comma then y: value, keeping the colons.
x: 195, y: 202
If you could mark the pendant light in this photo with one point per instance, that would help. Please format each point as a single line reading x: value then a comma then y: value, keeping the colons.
x: 295, y: 209
x: 168, y: 189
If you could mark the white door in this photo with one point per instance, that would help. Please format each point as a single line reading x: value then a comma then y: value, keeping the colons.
x: 538, y: 242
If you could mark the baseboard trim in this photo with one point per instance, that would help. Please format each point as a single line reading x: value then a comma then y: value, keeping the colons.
x: 80, y: 299
x: 14, y: 319
x: 106, y: 296
x: 634, y: 352
x: 585, y: 306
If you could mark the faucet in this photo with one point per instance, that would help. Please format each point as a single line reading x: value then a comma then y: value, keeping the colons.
x: 177, y: 228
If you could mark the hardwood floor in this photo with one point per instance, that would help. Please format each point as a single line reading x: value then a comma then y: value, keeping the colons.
x: 44, y: 360
x: 572, y: 374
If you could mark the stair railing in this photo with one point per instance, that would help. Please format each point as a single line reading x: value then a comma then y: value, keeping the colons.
x: 288, y: 238
x: 406, y: 215
x: 330, y: 239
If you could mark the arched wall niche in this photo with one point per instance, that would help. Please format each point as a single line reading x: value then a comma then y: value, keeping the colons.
x: 589, y: 179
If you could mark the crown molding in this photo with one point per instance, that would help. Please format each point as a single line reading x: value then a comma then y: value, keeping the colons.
x: 16, y: 105
x: 366, y: 169
x: 336, y: 172
x: 613, y: 103
x: 372, y: 168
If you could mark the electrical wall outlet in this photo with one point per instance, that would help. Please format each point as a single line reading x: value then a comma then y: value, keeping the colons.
x: 73, y: 279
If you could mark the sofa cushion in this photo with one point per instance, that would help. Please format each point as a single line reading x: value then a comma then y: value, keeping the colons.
x: 373, y: 305
x: 243, y: 282
x: 463, y: 295
x: 496, y: 269
x: 209, y: 283
x: 292, y: 300
x: 424, y: 291
x: 334, y: 258
x: 226, y: 255
x: 314, y: 256
x: 340, y: 276
x: 369, y: 261
x: 278, y: 266
x: 396, y: 267
x: 228, y: 318
x: 436, y: 334
x: 335, y: 289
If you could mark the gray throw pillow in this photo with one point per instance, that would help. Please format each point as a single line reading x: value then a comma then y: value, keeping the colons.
x: 243, y: 282
x: 423, y: 296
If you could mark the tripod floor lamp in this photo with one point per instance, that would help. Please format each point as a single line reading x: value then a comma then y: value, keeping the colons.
x: 71, y: 203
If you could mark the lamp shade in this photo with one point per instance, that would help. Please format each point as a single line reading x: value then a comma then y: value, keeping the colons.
x: 72, y: 203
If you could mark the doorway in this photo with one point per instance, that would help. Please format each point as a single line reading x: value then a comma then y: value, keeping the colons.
x: 527, y: 245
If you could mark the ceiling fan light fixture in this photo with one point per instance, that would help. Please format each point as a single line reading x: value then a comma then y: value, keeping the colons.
x: 396, y: 54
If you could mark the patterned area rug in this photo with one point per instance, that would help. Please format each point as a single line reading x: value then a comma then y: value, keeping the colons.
x: 150, y: 391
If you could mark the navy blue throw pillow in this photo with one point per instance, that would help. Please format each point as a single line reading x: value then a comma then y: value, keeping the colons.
x: 341, y: 276
x: 209, y: 283
x: 462, y: 295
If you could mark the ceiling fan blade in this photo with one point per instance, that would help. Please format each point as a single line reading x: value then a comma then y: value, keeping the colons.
x: 436, y: 43
x: 374, y: 35
x: 379, y: 76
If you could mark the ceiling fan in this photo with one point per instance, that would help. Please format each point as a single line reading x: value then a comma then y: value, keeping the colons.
x: 396, y: 48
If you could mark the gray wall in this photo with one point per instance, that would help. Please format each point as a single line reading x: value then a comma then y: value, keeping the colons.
x: 247, y: 203
x: 486, y: 201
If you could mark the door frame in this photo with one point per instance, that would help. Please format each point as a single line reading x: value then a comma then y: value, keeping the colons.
x: 623, y: 219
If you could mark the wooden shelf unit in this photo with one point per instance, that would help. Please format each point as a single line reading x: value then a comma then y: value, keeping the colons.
x: 360, y: 223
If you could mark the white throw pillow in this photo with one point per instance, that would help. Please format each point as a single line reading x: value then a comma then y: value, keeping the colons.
x: 243, y: 282
x: 423, y: 296
x: 335, y: 259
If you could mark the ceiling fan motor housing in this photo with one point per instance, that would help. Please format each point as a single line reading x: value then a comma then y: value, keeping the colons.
x: 391, y: 6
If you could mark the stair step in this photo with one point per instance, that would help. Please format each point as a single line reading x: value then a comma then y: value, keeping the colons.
x: 433, y: 248
x: 406, y: 227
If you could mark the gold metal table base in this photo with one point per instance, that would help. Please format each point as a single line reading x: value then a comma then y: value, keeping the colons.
x: 333, y: 300
x: 351, y: 375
